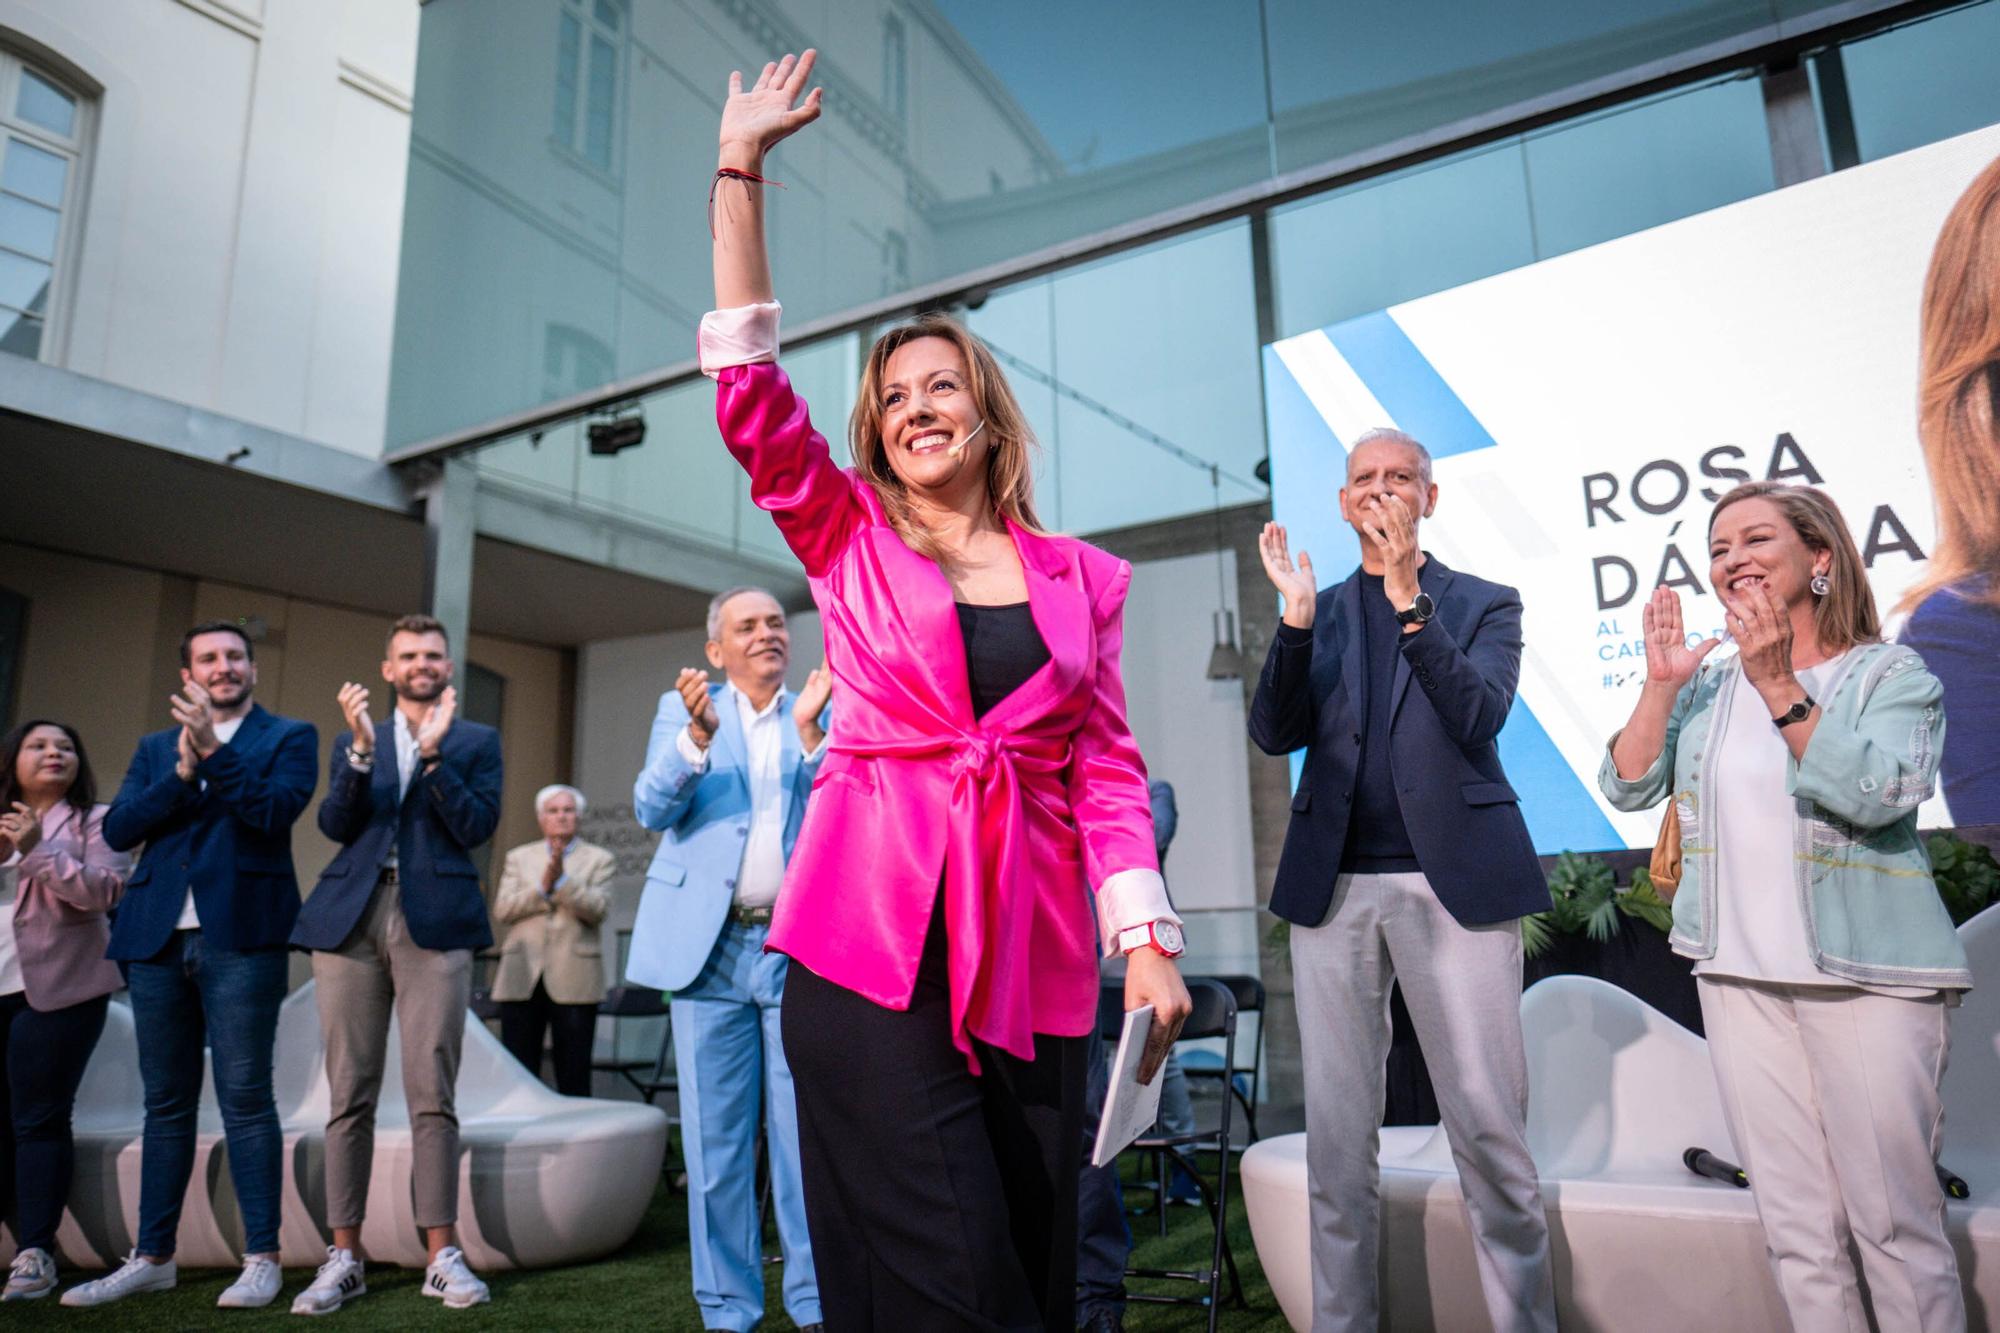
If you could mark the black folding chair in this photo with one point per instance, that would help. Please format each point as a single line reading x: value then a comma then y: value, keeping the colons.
x: 1249, y: 993
x: 1214, y: 1015
x: 622, y: 1004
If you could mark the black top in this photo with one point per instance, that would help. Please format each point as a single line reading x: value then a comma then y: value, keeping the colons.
x: 1002, y: 649
x: 1378, y: 843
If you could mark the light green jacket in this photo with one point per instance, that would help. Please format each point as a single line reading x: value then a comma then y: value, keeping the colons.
x: 1863, y: 876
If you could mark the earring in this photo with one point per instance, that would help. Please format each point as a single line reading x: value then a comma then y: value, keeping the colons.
x: 1821, y: 586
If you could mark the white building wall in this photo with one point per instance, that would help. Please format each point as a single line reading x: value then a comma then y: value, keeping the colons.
x: 242, y: 207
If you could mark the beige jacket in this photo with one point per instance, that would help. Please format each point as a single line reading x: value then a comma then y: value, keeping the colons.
x: 555, y: 941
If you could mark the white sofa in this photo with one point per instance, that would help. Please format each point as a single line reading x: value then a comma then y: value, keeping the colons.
x: 544, y: 1179
x: 1640, y: 1243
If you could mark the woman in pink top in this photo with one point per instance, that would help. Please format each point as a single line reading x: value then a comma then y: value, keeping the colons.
x: 981, y: 782
x: 57, y: 881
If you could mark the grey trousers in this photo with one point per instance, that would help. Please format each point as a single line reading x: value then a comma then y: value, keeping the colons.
x: 1463, y: 988
x: 379, y: 969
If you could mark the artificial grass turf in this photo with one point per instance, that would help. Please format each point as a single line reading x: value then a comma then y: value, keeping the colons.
x: 646, y: 1285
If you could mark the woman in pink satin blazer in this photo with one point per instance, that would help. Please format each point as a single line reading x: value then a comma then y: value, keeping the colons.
x: 58, y: 879
x: 938, y: 902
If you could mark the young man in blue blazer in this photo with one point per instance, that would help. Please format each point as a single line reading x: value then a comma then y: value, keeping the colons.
x: 201, y: 935
x: 1407, y: 860
x: 727, y: 774
x: 393, y: 924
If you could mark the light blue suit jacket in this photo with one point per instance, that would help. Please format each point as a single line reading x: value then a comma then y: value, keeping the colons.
x: 705, y: 818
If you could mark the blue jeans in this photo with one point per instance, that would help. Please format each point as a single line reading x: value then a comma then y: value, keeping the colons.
x: 188, y: 995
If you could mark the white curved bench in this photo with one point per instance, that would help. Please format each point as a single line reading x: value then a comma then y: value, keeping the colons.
x: 1618, y: 1090
x: 544, y: 1179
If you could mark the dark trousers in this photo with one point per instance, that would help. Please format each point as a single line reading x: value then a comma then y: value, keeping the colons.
x: 936, y: 1199
x: 1104, y: 1239
x: 188, y: 996
x: 44, y: 1055
x: 572, y: 1030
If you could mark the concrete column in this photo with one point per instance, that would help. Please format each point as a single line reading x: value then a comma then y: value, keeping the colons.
x: 450, y: 496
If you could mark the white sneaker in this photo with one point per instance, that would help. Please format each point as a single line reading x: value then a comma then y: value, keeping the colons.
x: 132, y: 1277
x: 33, y: 1276
x: 338, y: 1281
x: 451, y: 1281
x: 257, y: 1287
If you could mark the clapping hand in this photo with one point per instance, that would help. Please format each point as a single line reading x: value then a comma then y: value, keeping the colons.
x: 702, y: 720
x: 430, y: 732
x: 354, y: 707
x: 21, y: 827
x: 1762, y: 629
x: 753, y: 122
x: 1393, y: 528
x: 191, y: 709
x: 1669, y: 660
x: 552, y: 874
x: 1294, y: 582
x: 185, y: 757
x: 812, y: 700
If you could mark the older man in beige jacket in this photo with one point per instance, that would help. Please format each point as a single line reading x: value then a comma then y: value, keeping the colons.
x: 553, y: 894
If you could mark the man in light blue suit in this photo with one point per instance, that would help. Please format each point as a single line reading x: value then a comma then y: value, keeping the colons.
x: 727, y: 774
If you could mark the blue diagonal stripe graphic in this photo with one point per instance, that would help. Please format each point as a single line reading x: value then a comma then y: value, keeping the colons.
x: 1408, y: 387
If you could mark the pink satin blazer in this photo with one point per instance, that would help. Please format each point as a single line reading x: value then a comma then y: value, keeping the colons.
x: 1023, y: 810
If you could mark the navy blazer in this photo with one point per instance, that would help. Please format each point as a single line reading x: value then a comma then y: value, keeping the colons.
x: 445, y: 814
x: 1464, y: 819
x: 229, y: 836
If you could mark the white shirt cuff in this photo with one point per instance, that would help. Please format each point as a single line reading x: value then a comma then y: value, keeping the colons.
x: 1131, y: 898
x: 820, y: 749
x: 697, y: 758
x: 740, y: 336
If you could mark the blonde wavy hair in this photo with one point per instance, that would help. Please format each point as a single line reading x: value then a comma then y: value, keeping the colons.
x: 1010, y: 473
x: 1958, y: 395
x: 1846, y: 615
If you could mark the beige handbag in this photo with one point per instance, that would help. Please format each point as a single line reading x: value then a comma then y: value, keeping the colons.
x: 1665, y: 867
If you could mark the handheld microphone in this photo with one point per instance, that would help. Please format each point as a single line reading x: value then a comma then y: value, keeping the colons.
x: 1953, y: 1186
x: 1705, y: 1163
x: 959, y: 448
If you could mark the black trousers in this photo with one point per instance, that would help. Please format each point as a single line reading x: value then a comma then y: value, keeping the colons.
x: 44, y: 1055
x: 572, y: 1029
x: 936, y: 1200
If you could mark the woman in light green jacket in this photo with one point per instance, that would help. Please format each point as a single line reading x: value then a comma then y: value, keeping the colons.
x: 1826, y: 963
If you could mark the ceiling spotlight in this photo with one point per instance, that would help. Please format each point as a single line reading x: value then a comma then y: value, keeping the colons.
x: 617, y: 433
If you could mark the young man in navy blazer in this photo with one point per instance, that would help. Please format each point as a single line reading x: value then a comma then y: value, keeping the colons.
x: 393, y: 924
x: 1407, y: 859
x: 202, y: 936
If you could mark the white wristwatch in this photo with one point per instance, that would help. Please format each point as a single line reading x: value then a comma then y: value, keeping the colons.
x: 1163, y: 936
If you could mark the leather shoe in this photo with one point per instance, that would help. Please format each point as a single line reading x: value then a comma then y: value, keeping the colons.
x: 1105, y: 1321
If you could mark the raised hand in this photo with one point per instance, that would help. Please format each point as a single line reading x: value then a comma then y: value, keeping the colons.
x: 430, y: 732
x: 1294, y: 582
x: 191, y: 709
x: 702, y: 721
x: 21, y: 827
x: 810, y: 704
x: 1762, y: 629
x: 1669, y: 660
x: 1393, y: 529
x: 754, y: 121
x: 353, y: 700
x: 185, y: 757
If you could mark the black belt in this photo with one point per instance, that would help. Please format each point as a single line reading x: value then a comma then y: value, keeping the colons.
x: 749, y: 916
x: 387, y: 875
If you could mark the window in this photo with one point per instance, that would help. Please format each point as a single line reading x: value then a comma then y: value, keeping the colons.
x: 573, y: 360
x: 41, y: 152
x: 589, y: 37
x: 895, y: 67
x: 895, y: 262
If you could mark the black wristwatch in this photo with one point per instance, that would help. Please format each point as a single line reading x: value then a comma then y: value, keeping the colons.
x: 1796, y: 713
x: 1419, y: 612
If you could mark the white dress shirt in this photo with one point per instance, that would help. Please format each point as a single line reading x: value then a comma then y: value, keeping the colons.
x: 763, y: 870
x: 224, y: 732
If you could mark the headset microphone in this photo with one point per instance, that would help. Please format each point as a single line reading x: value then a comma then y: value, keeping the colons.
x: 959, y: 448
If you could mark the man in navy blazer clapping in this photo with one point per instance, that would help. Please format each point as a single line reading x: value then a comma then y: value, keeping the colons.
x: 201, y: 935
x: 1407, y: 860
x: 393, y: 924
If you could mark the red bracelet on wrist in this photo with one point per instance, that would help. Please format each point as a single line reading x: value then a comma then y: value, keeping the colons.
x: 748, y: 178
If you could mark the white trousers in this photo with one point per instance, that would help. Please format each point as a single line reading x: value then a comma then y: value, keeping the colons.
x: 1831, y: 1094
x: 1462, y: 985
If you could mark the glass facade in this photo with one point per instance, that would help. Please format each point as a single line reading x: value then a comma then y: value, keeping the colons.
x: 555, y: 236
